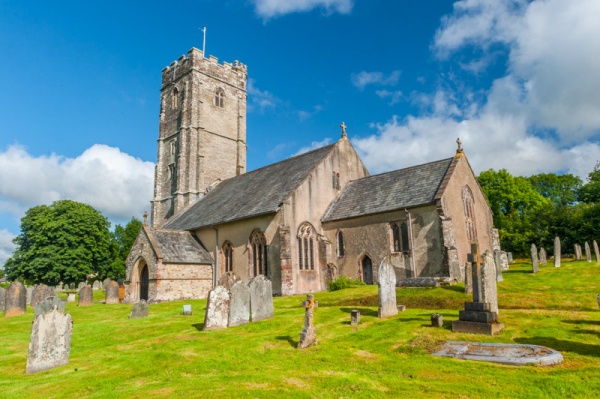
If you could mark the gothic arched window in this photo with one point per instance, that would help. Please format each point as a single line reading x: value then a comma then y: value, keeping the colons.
x: 219, y: 98
x: 175, y: 99
x: 400, y: 237
x: 306, y: 247
x: 339, y: 239
x: 228, y: 256
x: 468, y: 203
x: 258, y: 242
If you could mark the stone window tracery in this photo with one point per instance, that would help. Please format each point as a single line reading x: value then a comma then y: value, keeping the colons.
x: 400, y: 237
x: 306, y: 247
x: 258, y: 242
x: 470, y: 224
x: 219, y: 98
x: 228, y: 256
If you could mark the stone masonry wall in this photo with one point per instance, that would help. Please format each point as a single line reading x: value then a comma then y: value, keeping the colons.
x: 181, y: 281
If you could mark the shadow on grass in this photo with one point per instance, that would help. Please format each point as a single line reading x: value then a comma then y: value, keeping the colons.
x: 516, y: 271
x: 593, y: 322
x: 562, y: 345
x: 198, y: 326
x: 363, y: 311
x: 456, y: 288
x: 289, y: 339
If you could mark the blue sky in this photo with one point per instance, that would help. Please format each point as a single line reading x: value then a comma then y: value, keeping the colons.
x: 517, y: 80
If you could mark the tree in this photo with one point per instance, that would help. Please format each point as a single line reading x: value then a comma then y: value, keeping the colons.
x: 590, y: 191
x: 64, y: 242
x: 560, y: 190
x: 122, y: 239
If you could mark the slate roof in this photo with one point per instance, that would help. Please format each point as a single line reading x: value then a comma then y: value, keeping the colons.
x: 399, y: 189
x: 255, y: 193
x: 177, y: 246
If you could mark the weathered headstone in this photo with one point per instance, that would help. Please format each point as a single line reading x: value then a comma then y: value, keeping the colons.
x: 557, y: 252
x: 239, y: 309
x: 588, y: 253
x: 534, y: 259
x: 401, y: 308
x: 228, y: 279
x: 598, y: 299
x: 577, y: 252
x: 387, y: 289
x: 468, y: 278
x: 106, y: 282
x: 217, y: 308
x: 2, y: 298
x: 510, y: 257
x: 139, y: 310
x: 498, y: 265
x: 39, y: 293
x: 308, y: 337
x: 97, y: 285
x: 596, y: 251
x: 355, y: 317
x: 86, y: 296
x: 261, y: 298
x: 16, y: 299
x: 187, y: 310
x: 81, y: 285
x: 488, y: 282
x: 543, y: 258
x: 29, y: 294
x: 503, y: 260
x: 71, y: 296
x: 50, y: 341
x: 437, y: 320
x: 112, y: 293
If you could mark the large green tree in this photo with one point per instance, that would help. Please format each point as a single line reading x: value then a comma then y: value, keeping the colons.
x: 66, y: 241
x: 123, y: 239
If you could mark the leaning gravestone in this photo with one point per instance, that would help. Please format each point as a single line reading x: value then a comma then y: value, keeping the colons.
x: 217, y: 308
x: 16, y: 299
x: 50, y: 342
x: 39, y: 293
x: 86, y: 296
x: 543, y: 259
x: 596, y: 251
x: 557, y: 253
x: 229, y: 279
x: 498, y: 265
x: 239, y: 309
x: 2, y: 298
x: 534, y: 259
x: 489, y: 291
x: 261, y: 298
x: 588, y: 253
x: 112, y: 293
x: 387, y: 290
x: 308, y: 337
x: 139, y: 310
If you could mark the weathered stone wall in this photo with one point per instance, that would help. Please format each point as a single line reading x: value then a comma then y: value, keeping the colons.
x: 203, y: 142
x: 141, y: 253
x: 182, y: 281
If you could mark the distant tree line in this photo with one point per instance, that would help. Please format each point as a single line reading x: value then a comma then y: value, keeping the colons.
x: 69, y: 242
x: 538, y: 208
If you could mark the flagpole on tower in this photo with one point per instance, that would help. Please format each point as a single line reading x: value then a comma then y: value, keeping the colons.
x: 204, y: 42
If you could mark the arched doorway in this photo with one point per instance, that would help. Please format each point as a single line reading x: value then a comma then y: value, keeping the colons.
x: 367, y: 270
x: 144, y: 282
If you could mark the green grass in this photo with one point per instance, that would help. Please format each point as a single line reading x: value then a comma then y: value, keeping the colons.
x: 168, y: 355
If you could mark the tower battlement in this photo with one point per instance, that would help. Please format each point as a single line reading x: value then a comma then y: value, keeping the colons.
x: 195, y: 60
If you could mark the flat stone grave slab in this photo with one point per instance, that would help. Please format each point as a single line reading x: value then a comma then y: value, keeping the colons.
x: 513, y: 354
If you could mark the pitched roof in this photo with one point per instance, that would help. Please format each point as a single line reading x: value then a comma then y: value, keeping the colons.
x: 254, y: 193
x: 399, y: 189
x: 176, y: 246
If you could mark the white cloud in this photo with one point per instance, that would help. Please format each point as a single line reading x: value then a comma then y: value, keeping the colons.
x: 364, y: 78
x: 6, y: 246
x: 117, y: 184
x: 313, y: 146
x: 394, y: 96
x: 539, y: 115
x: 260, y: 100
x: 275, y: 8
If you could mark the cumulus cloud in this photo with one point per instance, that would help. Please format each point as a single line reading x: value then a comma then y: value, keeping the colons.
x: 313, y: 146
x: 260, y: 100
x: 274, y: 8
x: 539, y: 115
x: 6, y: 246
x: 363, y: 78
x: 117, y: 184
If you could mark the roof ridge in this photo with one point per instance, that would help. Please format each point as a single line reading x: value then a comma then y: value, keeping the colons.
x: 407, y: 168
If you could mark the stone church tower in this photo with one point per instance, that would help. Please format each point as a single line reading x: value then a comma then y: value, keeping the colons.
x: 202, y: 134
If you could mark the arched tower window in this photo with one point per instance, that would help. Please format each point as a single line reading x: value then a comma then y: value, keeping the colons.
x: 339, y: 239
x: 219, y: 97
x: 175, y: 99
x: 468, y: 203
x: 306, y: 247
x: 258, y: 242
x: 228, y: 256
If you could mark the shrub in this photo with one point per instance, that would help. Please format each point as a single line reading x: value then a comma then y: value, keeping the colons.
x: 344, y: 282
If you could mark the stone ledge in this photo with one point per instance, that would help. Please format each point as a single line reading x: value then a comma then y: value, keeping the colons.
x: 476, y: 328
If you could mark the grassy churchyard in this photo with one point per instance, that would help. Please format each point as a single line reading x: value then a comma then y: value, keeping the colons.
x: 168, y: 355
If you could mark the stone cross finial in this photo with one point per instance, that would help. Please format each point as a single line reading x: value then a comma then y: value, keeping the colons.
x: 343, y: 126
x: 459, y: 149
x: 145, y: 218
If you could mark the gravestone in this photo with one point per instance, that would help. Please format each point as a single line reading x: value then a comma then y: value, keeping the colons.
x: 387, y: 289
x: 71, y: 296
x: 543, y: 260
x: 596, y: 251
x: 2, y: 298
x: 106, y: 282
x: 489, y: 291
x: 308, y: 337
x: 16, y: 299
x: 534, y: 259
x: 557, y: 252
x: 81, y: 285
x: 468, y: 278
x: 217, y: 308
x: 187, y: 310
x: 39, y: 293
x: 355, y: 317
x: 588, y: 253
x: 29, y: 294
x: 598, y: 299
x: 86, y: 296
x: 261, y: 298
x: 437, y: 320
x: 498, y: 265
x: 112, y: 293
x: 139, y: 310
x: 50, y: 341
x: 510, y: 257
x: 577, y: 252
x: 97, y: 285
x: 57, y: 288
x: 401, y: 308
x: 503, y: 260
x: 239, y: 309
x: 229, y: 279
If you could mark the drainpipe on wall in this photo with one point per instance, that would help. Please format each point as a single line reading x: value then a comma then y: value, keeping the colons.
x: 412, y: 247
x: 215, y: 266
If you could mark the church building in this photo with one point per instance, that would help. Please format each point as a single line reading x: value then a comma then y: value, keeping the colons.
x: 302, y: 221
